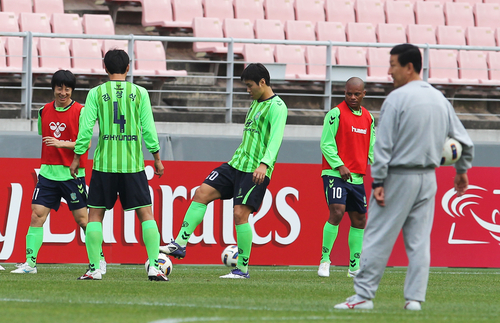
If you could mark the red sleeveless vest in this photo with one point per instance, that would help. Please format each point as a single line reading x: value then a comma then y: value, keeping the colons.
x: 353, y: 139
x: 62, y: 126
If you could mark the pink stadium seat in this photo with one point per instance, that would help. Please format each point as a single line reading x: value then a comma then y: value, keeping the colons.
x: 210, y: 28
x: 471, y: 2
x: 281, y: 10
x: 309, y: 10
x: 86, y: 56
x: 340, y: 11
x: 360, y: 32
x: 157, y: 13
x: 14, y: 51
x: 316, y: 62
x: 221, y: 9
x: 54, y: 55
x: 48, y: 7
x: 450, y: 35
x: 16, y: 6
x: 238, y: 28
x: 480, y: 36
x: 3, y: 60
x: 493, y: 60
x: 248, y: 9
x: 8, y: 23
x: 429, y: 13
x: 443, y: 66
x: 472, y: 67
x: 487, y: 14
x: 391, y: 33
x: 34, y: 22
x: 293, y: 57
x: 351, y: 56
x: 492, y: 1
x: 183, y: 12
x: 299, y: 30
x: 269, y: 29
x: 412, y: 1
x: 458, y: 14
x: 421, y: 34
x: 258, y: 53
x: 150, y: 60
x: 329, y: 30
x: 399, y: 12
x: 370, y: 11
x: 66, y: 23
x: 98, y: 24
x: 378, y: 64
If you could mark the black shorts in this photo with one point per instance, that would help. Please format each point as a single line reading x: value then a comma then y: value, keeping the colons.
x: 49, y: 193
x: 232, y: 183
x: 132, y: 187
x: 338, y: 191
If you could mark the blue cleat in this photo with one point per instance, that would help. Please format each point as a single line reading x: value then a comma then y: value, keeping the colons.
x: 174, y: 249
x: 236, y: 274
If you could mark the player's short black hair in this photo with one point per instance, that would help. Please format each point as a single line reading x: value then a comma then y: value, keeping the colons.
x: 256, y: 72
x: 408, y: 53
x: 116, y: 61
x: 63, y: 77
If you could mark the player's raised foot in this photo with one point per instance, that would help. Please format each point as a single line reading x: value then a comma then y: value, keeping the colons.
x: 24, y: 268
x: 174, y: 249
x: 156, y: 274
x: 102, y: 266
x: 236, y: 274
x: 91, y: 275
x: 353, y: 273
x: 413, y: 306
x: 324, y: 269
x: 355, y: 302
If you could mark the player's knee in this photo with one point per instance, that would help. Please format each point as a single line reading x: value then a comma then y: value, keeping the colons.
x: 336, y: 213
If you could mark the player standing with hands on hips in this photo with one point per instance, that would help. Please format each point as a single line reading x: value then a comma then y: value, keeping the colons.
x: 347, y: 145
x: 246, y: 176
x: 415, y: 120
x: 125, y: 117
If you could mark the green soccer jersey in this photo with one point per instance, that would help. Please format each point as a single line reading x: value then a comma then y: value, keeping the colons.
x: 124, y: 114
x: 262, y: 136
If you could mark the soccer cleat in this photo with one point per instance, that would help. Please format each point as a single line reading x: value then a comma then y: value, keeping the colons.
x: 174, y: 249
x: 352, y: 274
x: 91, y: 275
x: 102, y: 266
x: 355, y: 302
x: 413, y: 306
x: 1, y: 268
x: 156, y: 274
x: 24, y: 268
x: 324, y: 269
x: 236, y: 274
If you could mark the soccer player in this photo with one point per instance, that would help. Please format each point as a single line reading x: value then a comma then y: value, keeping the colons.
x: 125, y: 117
x: 58, y: 126
x: 347, y: 145
x: 415, y: 120
x: 246, y: 176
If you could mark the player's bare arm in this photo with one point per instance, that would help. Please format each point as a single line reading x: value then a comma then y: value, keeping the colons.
x: 345, y: 173
x: 260, y: 174
x: 75, y: 164
x: 159, y: 169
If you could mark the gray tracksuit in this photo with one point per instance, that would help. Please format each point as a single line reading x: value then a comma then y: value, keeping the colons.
x: 414, y: 122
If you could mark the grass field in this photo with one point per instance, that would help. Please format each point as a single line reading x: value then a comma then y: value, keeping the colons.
x: 272, y: 294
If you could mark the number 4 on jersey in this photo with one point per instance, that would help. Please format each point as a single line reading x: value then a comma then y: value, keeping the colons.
x: 119, y: 119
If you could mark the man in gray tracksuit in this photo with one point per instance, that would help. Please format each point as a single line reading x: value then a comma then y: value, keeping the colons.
x: 414, y: 122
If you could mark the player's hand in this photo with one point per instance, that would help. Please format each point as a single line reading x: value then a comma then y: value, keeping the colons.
x: 461, y: 183
x: 159, y: 169
x: 345, y: 173
x: 52, y: 142
x: 379, y: 195
x: 75, y: 164
x: 259, y: 174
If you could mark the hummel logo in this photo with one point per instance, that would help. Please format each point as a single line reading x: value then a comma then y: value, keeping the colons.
x: 58, y: 127
x: 92, y: 267
x: 80, y: 188
x: 357, y: 130
x: 352, y: 263
x: 185, y: 236
x: 331, y: 120
x: 331, y: 183
x: 245, y: 261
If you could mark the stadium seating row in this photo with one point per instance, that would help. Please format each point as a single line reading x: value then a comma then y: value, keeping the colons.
x: 335, y: 31
x: 180, y: 13
x: 445, y: 66
x: 47, y: 7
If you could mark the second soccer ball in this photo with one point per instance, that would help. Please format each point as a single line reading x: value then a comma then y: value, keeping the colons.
x: 229, y: 256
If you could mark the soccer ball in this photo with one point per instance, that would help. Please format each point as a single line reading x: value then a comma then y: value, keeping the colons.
x: 164, y: 264
x: 452, y: 151
x: 229, y: 256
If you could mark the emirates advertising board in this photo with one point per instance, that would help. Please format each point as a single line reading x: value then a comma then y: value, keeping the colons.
x: 287, y: 228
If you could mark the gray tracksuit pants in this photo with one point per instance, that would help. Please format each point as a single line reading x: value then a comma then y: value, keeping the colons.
x: 409, y: 205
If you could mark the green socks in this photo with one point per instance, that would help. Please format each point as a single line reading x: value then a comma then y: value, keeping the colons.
x: 244, y: 237
x: 355, y: 241
x: 193, y: 217
x: 151, y: 238
x: 34, y: 240
x: 330, y: 232
x: 93, y: 242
